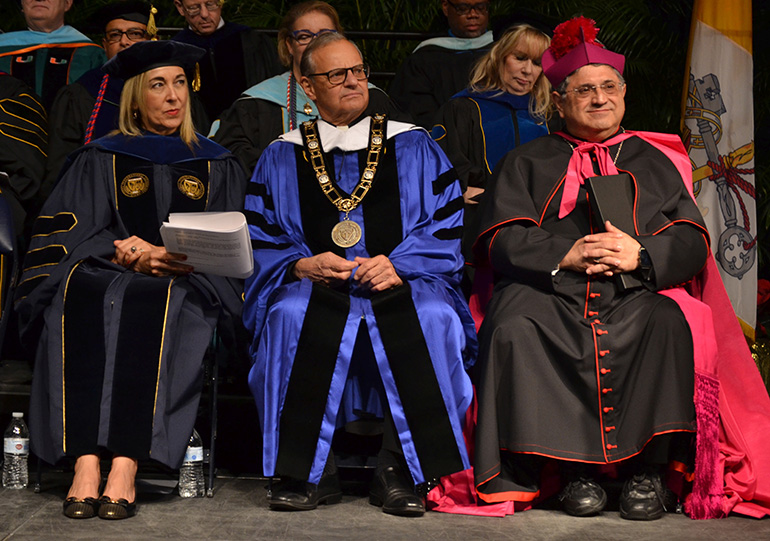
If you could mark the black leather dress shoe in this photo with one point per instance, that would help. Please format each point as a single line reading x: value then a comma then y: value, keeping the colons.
x: 394, y: 492
x: 644, y: 497
x: 116, y: 509
x: 295, y: 495
x: 583, y: 498
x: 85, y: 508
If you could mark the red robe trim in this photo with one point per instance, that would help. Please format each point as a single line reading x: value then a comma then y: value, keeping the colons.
x: 732, y: 463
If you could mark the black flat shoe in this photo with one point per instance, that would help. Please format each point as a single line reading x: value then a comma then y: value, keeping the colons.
x: 583, y: 498
x: 116, y: 509
x: 394, y: 492
x: 86, y: 508
x: 295, y: 495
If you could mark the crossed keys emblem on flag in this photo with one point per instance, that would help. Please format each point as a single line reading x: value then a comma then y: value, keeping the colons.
x: 736, y: 250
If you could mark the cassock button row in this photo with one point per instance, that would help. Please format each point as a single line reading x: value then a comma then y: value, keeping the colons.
x: 605, y: 371
x: 605, y: 391
x: 604, y: 352
x: 591, y: 313
x: 607, y: 409
x: 601, y: 332
x: 609, y: 428
x: 610, y: 446
x: 594, y: 295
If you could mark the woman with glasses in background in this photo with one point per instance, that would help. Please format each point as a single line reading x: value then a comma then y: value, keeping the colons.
x: 279, y: 104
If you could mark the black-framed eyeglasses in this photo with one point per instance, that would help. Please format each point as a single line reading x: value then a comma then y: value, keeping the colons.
x: 338, y: 76
x: 610, y: 88
x: 303, y: 37
x: 134, y: 34
x: 482, y: 8
x: 211, y: 5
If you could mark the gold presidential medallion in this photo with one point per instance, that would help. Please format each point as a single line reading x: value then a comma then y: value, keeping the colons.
x: 134, y: 185
x: 346, y: 233
x: 191, y: 186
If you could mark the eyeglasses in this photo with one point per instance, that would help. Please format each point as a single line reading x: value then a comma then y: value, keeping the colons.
x: 195, y: 10
x: 338, y: 76
x: 303, y: 37
x: 134, y: 34
x: 482, y: 8
x: 610, y: 88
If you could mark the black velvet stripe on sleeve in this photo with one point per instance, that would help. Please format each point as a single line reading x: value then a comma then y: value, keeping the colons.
x: 449, y: 233
x: 263, y: 245
x: 447, y: 210
x: 48, y: 225
x: 50, y: 255
x: 416, y: 381
x: 310, y: 379
x: 258, y: 220
x: 260, y: 190
x: 27, y: 286
x: 444, y: 180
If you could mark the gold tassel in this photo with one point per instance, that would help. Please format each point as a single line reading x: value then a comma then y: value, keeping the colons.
x: 196, y: 82
x: 152, y: 29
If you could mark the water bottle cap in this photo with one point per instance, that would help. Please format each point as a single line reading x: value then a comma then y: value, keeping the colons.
x: 17, y: 414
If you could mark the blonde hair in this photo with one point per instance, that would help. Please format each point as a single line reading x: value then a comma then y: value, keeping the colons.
x: 291, y: 17
x: 132, y: 103
x: 487, y: 74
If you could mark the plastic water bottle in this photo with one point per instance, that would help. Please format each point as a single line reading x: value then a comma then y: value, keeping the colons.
x: 15, y: 453
x: 191, y: 482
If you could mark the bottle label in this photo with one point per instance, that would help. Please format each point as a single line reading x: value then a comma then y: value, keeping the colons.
x: 194, y: 454
x: 16, y: 446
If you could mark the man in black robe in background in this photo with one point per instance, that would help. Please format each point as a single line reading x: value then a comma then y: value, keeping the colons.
x: 440, y: 67
x: 237, y: 58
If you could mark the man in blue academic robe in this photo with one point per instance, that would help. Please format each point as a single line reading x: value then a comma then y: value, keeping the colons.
x: 353, y: 304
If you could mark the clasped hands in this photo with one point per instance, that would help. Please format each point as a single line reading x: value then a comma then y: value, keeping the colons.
x: 141, y: 256
x: 374, y: 273
x: 608, y: 253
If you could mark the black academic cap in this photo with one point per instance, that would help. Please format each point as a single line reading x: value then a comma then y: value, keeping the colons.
x: 129, y: 10
x: 541, y: 22
x: 146, y: 55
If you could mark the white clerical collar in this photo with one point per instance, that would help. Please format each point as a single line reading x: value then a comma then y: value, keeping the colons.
x: 346, y: 138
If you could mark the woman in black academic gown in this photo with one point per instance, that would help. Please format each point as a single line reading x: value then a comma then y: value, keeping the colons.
x: 121, y: 325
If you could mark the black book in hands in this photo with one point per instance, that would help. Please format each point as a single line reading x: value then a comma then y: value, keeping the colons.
x: 612, y: 198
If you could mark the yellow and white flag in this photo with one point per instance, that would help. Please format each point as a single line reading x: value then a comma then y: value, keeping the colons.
x: 718, y: 132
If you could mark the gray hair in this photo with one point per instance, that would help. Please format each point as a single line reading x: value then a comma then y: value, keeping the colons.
x: 307, y: 65
x: 562, y: 88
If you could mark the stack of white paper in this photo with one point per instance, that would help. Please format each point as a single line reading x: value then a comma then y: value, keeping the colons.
x: 214, y: 242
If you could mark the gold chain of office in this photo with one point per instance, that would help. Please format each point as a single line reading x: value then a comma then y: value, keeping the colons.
x: 346, y: 233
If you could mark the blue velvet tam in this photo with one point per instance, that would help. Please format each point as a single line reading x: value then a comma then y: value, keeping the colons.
x: 146, y: 55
